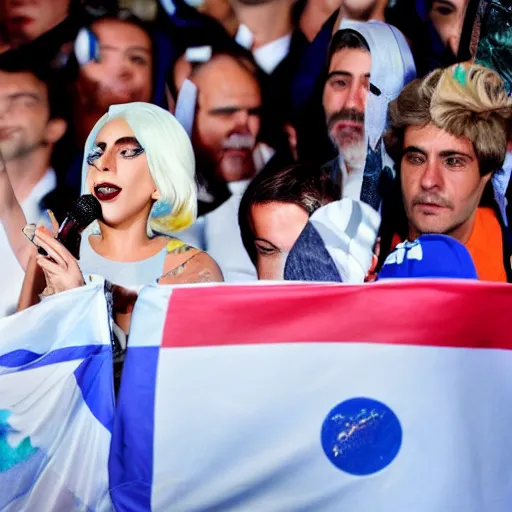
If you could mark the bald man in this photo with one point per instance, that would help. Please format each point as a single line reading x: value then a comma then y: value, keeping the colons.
x: 226, y: 128
x: 227, y: 121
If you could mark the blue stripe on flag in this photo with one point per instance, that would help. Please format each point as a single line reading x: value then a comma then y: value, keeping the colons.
x: 18, y: 358
x: 94, y: 377
x: 131, y: 453
x: 27, y: 360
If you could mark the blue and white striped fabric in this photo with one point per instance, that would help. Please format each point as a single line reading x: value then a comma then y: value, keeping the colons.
x: 336, y: 245
x: 56, y: 404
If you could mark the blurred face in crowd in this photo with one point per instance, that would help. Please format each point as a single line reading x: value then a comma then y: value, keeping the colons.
x: 227, y: 119
x: 26, y: 20
x: 362, y: 10
x: 276, y: 228
x: 220, y: 10
x: 441, y: 182
x: 236, y: 3
x: 124, y: 71
x: 448, y: 19
x: 25, y: 124
x: 344, y: 102
x: 118, y: 175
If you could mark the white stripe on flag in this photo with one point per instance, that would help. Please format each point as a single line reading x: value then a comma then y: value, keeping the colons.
x: 242, y: 428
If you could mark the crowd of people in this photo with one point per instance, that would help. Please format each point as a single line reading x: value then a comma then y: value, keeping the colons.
x: 237, y: 140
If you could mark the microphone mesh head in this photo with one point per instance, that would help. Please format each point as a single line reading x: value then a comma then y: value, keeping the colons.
x: 86, y: 209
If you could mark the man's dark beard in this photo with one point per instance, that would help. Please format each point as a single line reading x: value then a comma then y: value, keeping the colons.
x: 351, y: 114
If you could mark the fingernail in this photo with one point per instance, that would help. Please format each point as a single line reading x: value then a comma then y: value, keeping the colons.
x: 43, y: 229
x: 53, y: 219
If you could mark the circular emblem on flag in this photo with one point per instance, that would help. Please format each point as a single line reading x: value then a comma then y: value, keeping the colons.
x: 361, y: 436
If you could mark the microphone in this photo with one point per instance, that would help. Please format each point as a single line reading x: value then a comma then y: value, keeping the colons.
x: 86, y: 209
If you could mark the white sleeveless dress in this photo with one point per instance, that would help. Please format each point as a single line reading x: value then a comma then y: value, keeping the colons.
x: 126, y: 274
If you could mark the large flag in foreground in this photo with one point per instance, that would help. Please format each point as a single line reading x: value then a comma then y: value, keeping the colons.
x: 56, y: 405
x: 387, y: 397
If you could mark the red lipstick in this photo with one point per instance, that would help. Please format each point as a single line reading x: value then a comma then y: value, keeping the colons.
x: 106, y: 191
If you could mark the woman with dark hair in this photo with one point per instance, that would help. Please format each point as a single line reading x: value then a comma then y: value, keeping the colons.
x: 275, y: 209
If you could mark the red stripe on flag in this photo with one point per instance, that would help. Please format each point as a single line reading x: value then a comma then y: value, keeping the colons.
x: 433, y: 313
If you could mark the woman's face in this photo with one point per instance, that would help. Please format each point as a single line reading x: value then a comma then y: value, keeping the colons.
x: 448, y: 19
x: 118, y: 176
x: 276, y: 227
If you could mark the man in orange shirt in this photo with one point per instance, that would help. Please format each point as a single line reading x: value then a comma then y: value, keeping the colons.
x: 449, y: 134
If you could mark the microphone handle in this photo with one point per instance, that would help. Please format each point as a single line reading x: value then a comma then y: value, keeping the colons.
x: 69, y: 235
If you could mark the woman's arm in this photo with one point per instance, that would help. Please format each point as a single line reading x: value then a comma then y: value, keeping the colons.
x: 13, y: 220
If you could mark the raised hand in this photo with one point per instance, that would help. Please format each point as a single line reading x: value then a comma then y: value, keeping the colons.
x: 13, y: 219
x: 60, y: 268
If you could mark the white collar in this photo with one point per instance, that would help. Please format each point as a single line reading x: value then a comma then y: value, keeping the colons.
x: 237, y: 187
x: 268, y: 56
x: 44, y: 186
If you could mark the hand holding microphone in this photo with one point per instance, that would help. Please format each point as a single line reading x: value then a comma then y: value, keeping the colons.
x: 57, y: 257
x: 85, y: 210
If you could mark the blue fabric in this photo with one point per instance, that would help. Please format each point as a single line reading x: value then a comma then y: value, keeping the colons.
x: 23, y: 360
x: 95, y: 378
x: 309, y: 260
x: 429, y: 256
x: 370, y: 190
x: 165, y: 53
x: 131, y: 453
x: 312, y: 65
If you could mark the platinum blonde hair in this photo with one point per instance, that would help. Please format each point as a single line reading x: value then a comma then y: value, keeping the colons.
x: 170, y: 160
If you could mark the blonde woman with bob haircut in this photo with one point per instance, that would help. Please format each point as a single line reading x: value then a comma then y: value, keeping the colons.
x: 139, y: 164
x: 449, y: 134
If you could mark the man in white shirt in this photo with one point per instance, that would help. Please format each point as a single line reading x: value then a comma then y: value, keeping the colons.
x: 267, y: 28
x: 29, y: 129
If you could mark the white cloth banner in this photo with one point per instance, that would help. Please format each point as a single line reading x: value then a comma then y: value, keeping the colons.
x: 274, y: 398
x: 328, y: 398
x: 56, y: 405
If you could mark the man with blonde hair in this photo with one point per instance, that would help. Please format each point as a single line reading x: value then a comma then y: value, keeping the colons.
x: 449, y: 136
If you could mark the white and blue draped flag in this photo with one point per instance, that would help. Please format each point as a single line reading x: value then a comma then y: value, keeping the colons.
x: 56, y: 405
x: 264, y: 398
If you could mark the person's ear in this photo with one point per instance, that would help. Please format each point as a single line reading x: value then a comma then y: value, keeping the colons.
x: 156, y: 195
x: 55, y: 130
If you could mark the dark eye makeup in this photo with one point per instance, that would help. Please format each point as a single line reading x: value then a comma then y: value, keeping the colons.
x: 94, y: 154
x: 131, y: 152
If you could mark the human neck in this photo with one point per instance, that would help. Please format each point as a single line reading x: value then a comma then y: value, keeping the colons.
x: 267, y: 22
x: 315, y: 14
x: 26, y: 172
x: 461, y: 233
x: 351, y: 167
x: 125, y: 243
x: 234, y: 175
x: 375, y: 12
